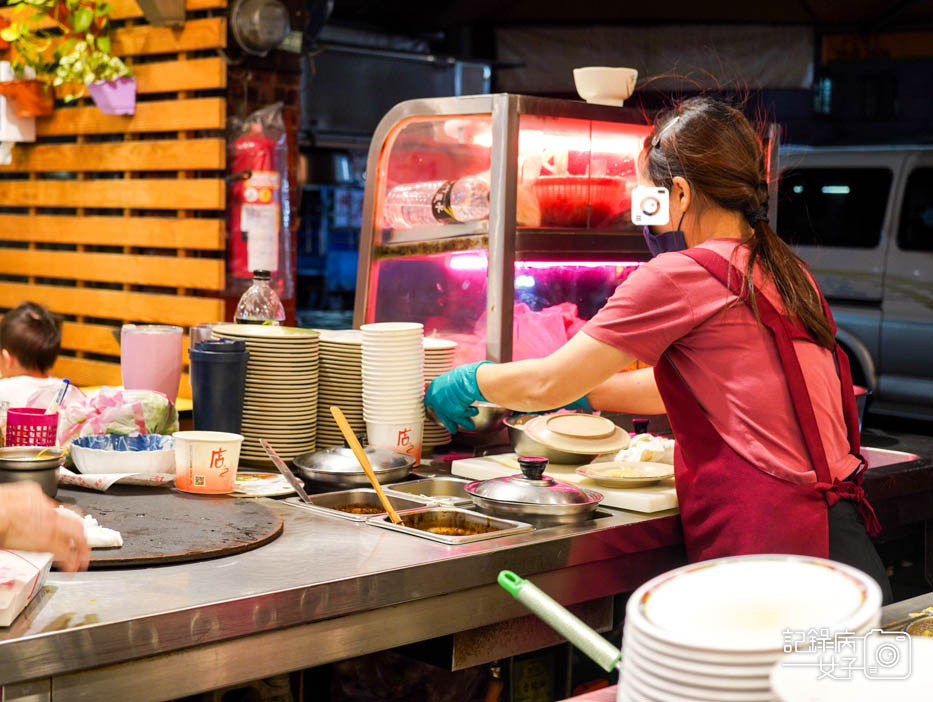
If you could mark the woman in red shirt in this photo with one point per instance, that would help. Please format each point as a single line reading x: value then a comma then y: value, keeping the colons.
x: 746, y: 366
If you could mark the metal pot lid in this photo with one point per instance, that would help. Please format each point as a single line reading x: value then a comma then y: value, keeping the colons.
x: 340, y: 459
x: 532, y: 487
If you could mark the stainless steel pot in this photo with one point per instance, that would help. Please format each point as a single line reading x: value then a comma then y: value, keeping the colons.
x: 337, y: 467
x: 524, y: 445
x: 19, y: 463
x: 534, y: 497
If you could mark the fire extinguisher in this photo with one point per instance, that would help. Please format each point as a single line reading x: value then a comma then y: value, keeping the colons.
x: 253, y: 214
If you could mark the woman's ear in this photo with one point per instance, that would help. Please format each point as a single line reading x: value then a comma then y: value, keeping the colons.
x: 681, y: 192
x: 5, y: 359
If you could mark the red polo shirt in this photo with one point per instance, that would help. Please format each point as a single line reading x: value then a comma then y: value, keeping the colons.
x: 672, y: 305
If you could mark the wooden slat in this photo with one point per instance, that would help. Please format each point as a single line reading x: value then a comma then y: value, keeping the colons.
x: 129, y: 9
x: 167, y: 232
x: 167, y: 155
x: 100, y: 339
x: 139, y: 40
x: 115, y: 304
x: 170, y: 77
x: 82, y: 371
x: 200, y: 193
x: 169, y: 271
x: 94, y: 338
x: 156, y: 116
x: 174, y: 76
x: 143, y: 39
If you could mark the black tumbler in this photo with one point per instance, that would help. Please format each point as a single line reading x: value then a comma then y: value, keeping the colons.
x: 218, y: 380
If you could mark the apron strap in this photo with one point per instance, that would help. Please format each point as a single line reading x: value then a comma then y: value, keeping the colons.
x: 849, y: 406
x: 785, y: 330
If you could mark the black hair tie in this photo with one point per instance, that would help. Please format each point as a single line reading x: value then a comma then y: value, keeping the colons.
x: 756, y: 216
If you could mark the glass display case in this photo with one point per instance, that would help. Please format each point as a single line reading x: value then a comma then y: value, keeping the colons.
x: 499, y: 221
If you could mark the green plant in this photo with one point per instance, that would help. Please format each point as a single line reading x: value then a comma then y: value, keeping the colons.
x: 32, y: 44
x: 87, y: 63
x: 74, y: 49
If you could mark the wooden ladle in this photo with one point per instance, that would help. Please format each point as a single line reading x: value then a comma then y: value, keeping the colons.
x: 361, y: 456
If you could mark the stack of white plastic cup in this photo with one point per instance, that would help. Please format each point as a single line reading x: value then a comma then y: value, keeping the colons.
x: 393, y: 386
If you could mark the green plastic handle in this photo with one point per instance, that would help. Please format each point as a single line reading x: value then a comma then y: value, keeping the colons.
x: 605, y: 654
x: 511, y: 582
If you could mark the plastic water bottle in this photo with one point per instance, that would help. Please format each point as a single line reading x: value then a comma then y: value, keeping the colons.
x: 438, y: 201
x: 259, y: 304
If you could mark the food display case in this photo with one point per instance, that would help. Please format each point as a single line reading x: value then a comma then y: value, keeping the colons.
x: 499, y: 221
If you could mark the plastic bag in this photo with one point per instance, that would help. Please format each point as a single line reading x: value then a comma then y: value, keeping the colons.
x: 116, y: 411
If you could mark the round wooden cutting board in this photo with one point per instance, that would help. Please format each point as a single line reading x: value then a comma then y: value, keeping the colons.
x: 163, y: 525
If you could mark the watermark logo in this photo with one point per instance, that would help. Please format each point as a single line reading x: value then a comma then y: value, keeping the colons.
x: 877, y: 655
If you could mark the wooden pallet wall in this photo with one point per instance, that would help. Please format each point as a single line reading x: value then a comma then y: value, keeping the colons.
x: 110, y: 219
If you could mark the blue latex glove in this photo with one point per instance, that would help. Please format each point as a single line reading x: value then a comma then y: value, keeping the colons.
x: 581, y: 405
x: 452, y: 395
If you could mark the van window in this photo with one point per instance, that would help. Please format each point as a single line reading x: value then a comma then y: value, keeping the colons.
x: 916, y: 232
x: 833, y: 206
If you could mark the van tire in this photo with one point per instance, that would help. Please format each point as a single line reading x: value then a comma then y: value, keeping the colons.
x: 859, y: 376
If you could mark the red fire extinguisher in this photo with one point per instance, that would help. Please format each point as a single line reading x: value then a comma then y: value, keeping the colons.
x: 253, y: 215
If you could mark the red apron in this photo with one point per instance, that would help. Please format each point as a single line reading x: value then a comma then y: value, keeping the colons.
x: 729, y: 507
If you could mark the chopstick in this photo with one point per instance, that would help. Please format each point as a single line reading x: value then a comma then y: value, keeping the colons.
x: 361, y: 456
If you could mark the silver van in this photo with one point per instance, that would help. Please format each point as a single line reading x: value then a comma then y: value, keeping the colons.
x: 862, y: 217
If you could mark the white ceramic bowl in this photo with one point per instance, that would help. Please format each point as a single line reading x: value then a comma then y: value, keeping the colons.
x: 110, y: 460
x: 605, y: 85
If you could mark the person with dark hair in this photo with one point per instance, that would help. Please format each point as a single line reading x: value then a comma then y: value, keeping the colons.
x: 745, y: 362
x: 30, y: 339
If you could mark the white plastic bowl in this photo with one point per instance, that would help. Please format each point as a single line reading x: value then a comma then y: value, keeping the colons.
x: 605, y: 85
x: 102, y: 460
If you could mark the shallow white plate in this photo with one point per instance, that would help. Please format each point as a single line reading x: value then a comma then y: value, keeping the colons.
x: 290, y: 358
x: 350, y: 337
x: 755, y: 678
x: 745, y: 603
x: 263, y: 331
x: 276, y: 409
x: 577, y: 433
x: 797, y: 677
x: 277, y: 380
x: 252, y: 484
x: 253, y: 446
x: 634, y: 473
x: 667, y: 691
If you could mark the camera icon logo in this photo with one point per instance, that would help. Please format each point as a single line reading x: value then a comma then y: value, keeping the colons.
x: 887, y: 655
x: 876, y: 655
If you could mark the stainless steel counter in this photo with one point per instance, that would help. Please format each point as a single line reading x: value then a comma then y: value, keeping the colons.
x: 326, y: 590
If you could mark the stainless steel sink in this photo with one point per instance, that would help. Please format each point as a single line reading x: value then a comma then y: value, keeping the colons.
x: 878, y: 457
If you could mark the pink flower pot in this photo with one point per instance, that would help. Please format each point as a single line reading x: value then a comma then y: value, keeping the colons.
x: 115, y: 97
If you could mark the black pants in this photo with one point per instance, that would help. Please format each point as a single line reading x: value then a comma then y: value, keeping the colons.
x: 849, y: 544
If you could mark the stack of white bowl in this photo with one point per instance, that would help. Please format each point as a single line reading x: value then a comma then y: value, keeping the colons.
x: 713, y: 630
x: 341, y: 384
x: 280, y: 400
x: 393, y: 385
x: 438, y: 359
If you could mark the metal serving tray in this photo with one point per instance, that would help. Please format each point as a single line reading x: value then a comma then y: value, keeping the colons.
x: 327, y: 503
x: 450, y: 516
x: 445, y: 492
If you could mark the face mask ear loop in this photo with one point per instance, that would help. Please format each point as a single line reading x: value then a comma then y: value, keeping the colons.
x: 681, y: 221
